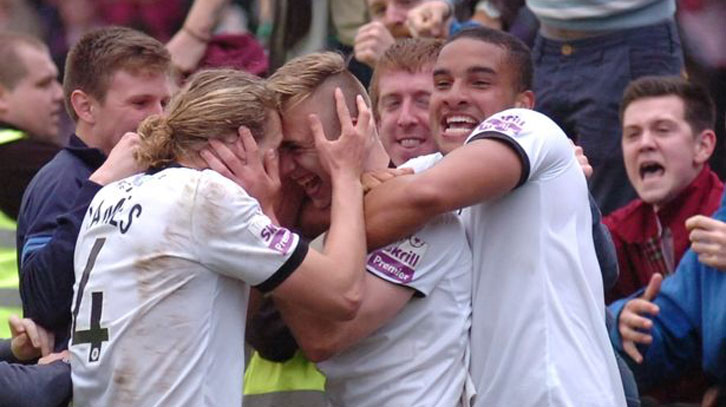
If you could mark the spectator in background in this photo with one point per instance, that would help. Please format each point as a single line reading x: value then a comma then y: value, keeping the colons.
x: 400, y: 90
x: 585, y: 54
x: 31, y: 102
x: 115, y: 77
x: 667, y: 139
x: 30, y: 108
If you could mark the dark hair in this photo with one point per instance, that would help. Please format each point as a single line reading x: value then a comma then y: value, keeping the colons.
x: 99, y: 54
x: 519, y: 56
x: 699, y: 111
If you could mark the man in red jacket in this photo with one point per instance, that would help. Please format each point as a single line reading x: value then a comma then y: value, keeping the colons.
x: 667, y: 140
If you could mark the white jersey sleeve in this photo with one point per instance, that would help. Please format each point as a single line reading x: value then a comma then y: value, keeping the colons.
x: 233, y: 237
x: 412, y: 262
x: 422, y: 162
x: 542, y: 146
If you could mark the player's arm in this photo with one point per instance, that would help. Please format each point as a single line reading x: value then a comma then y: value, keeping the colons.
x: 321, y: 338
x: 330, y: 283
x: 478, y: 171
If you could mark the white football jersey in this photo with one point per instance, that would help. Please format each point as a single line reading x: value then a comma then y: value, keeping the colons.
x: 538, y: 334
x: 163, y: 266
x: 419, y: 358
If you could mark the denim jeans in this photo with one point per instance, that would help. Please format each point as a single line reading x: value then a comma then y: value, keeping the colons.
x: 579, y: 85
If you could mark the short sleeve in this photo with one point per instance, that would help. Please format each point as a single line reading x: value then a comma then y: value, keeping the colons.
x: 423, y: 259
x: 422, y: 163
x: 540, y: 144
x: 236, y: 239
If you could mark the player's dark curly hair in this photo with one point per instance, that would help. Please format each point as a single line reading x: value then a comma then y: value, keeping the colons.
x: 213, y: 104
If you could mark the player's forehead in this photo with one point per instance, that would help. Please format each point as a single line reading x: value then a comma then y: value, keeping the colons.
x: 471, y: 55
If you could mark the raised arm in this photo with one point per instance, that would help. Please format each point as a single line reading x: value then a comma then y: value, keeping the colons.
x: 475, y: 172
x: 331, y: 283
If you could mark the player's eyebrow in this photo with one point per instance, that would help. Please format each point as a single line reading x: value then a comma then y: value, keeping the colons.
x: 482, y: 69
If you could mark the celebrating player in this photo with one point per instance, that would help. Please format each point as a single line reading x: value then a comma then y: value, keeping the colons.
x: 165, y: 259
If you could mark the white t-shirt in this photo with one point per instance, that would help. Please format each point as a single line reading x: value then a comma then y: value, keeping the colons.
x: 418, y: 359
x: 163, y: 266
x: 538, y: 334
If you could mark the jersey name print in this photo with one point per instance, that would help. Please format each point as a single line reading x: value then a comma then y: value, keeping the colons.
x: 164, y: 263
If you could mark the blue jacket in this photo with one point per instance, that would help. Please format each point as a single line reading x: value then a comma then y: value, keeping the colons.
x: 50, y: 217
x: 32, y: 385
x: 691, y: 325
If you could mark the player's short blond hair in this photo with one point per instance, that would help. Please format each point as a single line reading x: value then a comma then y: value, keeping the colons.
x: 213, y: 104
x: 314, y: 77
x: 300, y: 77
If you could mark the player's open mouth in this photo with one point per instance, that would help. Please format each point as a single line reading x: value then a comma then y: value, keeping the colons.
x: 458, y: 125
x: 651, y: 169
x: 410, y: 142
x: 310, y: 183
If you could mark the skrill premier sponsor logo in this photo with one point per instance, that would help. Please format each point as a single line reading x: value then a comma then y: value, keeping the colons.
x: 398, y: 261
x: 278, y: 239
x: 509, y: 124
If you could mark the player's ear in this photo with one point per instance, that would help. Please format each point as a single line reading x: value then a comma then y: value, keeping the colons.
x: 525, y: 100
x: 82, y: 104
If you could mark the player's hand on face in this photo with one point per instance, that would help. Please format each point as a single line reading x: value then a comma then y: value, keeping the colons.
x: 121, y: 161
x: 46, y: 360
x: 371, y: 41
x: 708, y: 240
x: 582, y: 160
x: 372, y: 179
x: 429, y: 19
x: 242, y: 162
x: 347, y: 154
x: 632, y: 323
x: 28, y: 339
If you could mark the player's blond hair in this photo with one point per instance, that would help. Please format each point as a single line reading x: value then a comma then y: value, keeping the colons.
x: 213, y: 104
x: 300, y: 77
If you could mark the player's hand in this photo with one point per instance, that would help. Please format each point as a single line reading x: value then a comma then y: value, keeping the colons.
x: 347, y: 154
x: 631, y: 322
x: 582, y: 160
x: 28, y: 339
x: 242, y: 162
x: 121, y: 161
x: 429, y: 19
x: 372, y: 179
x: 64, y: 356
x: 371, y: 41
x: 708, y: 240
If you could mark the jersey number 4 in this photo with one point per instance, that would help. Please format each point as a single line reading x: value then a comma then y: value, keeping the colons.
x: 95, y: 335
